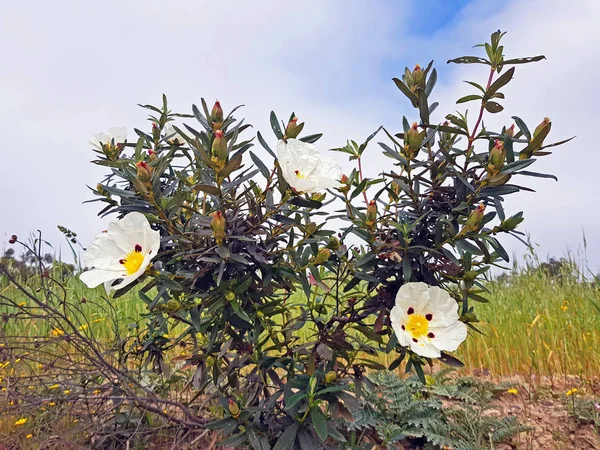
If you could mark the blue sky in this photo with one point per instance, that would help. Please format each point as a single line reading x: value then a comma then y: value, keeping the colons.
x: 77, y: 68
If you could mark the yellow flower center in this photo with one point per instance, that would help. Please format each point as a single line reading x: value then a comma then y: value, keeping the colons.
x: 299, y: 174
x: 417, y: 325
x: 133, y: 261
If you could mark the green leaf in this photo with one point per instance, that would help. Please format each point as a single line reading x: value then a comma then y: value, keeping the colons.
x: 406, y: 91
x: 450, y: 360
x: 287, y: 439
x: 213, y: 190
x: 275, y: 126
x: 311, y: 138
x: 522, y: 127
x: 261, y: 166
x: 265, y: 145
x: 319, y: 422
x: 493, y: 107
x: 500, y: 82
x: 469, y: 60
x: 295, y: 399
x: 469, y: 98
x: 431, y: 82
x: 525, y: 60
x: 305, y: 203
x: 517, y: 165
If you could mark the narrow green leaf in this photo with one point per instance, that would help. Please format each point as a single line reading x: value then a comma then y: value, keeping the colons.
x: 319, y: 422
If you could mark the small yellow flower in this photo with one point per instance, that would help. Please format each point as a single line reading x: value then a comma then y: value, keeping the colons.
x: 564, y: 306
x: 96, y: 392
x: 83, y: 327
x: 66, y: 392
x: 20, y: 305
x: 101, y: 319
x: 18, y: 360
x: 11, y: 403
x: 51, y: 404
x: 57, y: 332
x: 75, y: 420
x: 571, y: 392
x: 40, y: 366
x: 54, y: 386
x: 29, y: 436
x: 32, y: 387
x: 513, y: 391
x: 21, y: 421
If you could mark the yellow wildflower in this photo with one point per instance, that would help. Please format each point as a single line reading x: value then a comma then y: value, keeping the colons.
x: 29, y: 436
x: 21, y: 421
x: 66, y: 392
x: 564, y: 306
x: 51, y: 404
x: 83, y: 327
x: 57, y: 332
x: 20, y: 305
x: 513, y: 391
x: 571, y: 392
x: 101, y: 319
x: 32, y: 387
x: 96, y: 392
x: 54, y: 386
x: 75, y: 420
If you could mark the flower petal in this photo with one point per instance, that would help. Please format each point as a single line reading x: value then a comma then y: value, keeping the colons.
x: 95, y: 277
x: 424, y: 348
x: 449, y: 338
x: 103, y: 253
x: 413, y: 295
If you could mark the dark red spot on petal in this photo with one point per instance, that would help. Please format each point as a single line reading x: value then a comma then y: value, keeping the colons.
x: 430, y: 335
x: 403, y: 327
x: 122, y: 261
x: 411, y: 310
x: 150, y: 252
x: 415, y: 340
x: 429, y: 316
x: 138, y: 248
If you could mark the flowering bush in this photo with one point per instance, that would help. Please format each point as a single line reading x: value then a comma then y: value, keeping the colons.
x: 280, y: 313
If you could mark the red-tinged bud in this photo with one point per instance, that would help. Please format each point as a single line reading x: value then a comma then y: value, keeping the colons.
x: 413, y: 139
x: 371, y: 214
x: 293, y: 128
x: 323, y: 256
x: 152, y: 155
x: 475, y: 218
x: 347, y: 184
x: 13, y: 239
x: 219, y: 148
x: 216, y: 115
x: 144, y: 171
x: 545, y: 123
x: 155, y: 131
x: 418, y: 76
x: 496, y: 158
x: 510, y: 131
x: 234, y: 408
x: 218, y: 225
x: 334, y: 243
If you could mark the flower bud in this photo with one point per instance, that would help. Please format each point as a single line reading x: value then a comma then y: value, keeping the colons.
x: 347, y: 184
x: 545, y: 123
x: 418, y: 76
x: 13, y: 239
x: 219, y: 148
x: 216, y: 115
x: 173, y: 305
x: 496, y: 158
x: 100, y: 189
x: 413, y: 138
x: 330, y: 376
x: 230, y: 296
x: 371, y: 214
x: 293, y: 129
x: 144, y: 171
x: 510, y: 131
x: 474, y: 218
x: 334, y: 243
x: 322, y: 256
x: 310, y: 228
x: 155, y: 131
x: 234, y: 408
x: 151, y: 155
x: 217, y: 225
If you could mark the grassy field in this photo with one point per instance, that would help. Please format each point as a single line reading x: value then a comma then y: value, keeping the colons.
x: 533, y: 324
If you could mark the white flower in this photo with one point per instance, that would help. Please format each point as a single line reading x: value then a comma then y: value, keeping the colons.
x: 426, y: 319
x: 119, y: 134
x: 173, y: 137
x: 121, y: 253
x: 305, y: 169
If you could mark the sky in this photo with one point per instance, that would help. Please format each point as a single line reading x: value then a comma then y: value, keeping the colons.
x: 71, y: 69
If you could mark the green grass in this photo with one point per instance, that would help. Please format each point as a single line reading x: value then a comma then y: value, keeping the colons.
x: 532, y: 324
